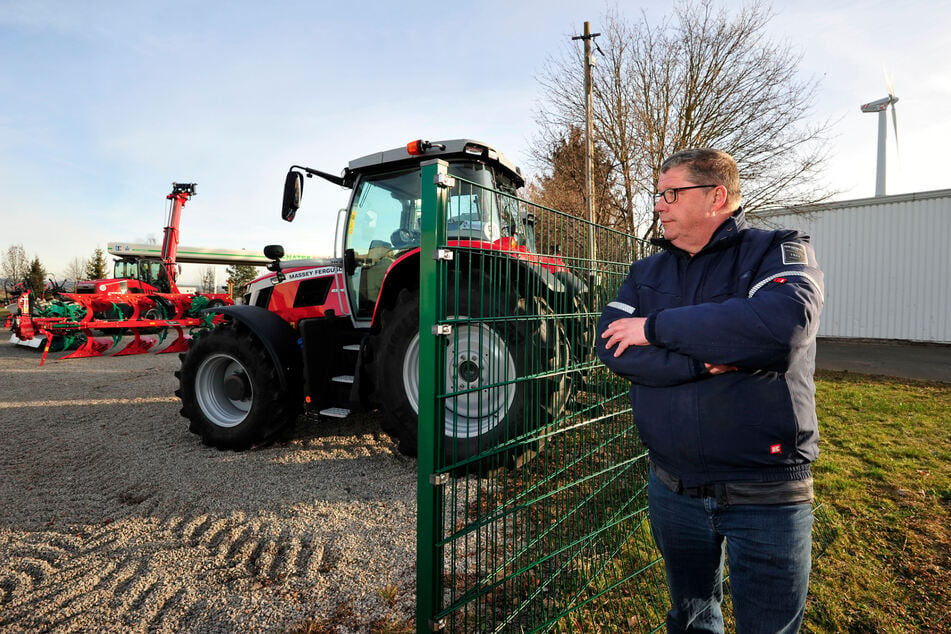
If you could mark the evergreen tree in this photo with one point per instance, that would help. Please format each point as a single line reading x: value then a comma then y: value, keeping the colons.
x: 36, y: 276
x: 239, y: 275
x: 562, y: 186
x: 96, y: 266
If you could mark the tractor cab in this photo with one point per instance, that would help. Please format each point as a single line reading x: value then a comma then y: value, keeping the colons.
x: 381, y: 224
x: 131, y: 275
x: 146, y: 271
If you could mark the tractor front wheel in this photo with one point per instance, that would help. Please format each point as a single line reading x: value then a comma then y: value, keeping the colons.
x: 230, y: 390
x: 489, y: 363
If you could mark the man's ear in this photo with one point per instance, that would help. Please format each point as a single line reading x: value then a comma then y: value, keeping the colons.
x: 720, y: 198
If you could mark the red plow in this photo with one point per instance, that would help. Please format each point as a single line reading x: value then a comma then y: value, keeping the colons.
x: 113, y: 325
x: 139, y: 311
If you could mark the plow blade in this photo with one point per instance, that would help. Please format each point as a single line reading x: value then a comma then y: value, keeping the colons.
x: 125, y: 337
x: 113, y: 325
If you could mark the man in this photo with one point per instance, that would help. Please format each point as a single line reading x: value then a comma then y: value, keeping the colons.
x: 716, y: 334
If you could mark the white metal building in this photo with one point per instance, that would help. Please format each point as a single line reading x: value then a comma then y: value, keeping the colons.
x: 887, y: 263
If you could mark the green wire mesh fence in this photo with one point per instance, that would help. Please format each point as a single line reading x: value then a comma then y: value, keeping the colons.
x: 532, y: 480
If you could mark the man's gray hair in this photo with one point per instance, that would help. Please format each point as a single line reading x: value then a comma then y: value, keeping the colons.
x: 709, y: 166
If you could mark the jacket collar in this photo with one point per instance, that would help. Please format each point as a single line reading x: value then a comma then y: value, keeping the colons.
x: 725, y: 235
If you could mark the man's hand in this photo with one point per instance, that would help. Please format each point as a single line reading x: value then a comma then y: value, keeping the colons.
x: 719, y: 368
x: 625, y: 333
x: 629, y: 331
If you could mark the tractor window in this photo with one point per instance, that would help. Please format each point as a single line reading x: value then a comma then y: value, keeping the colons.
x: 384, y: 220
x: 472, y: 214
x: 152, y: 272
x: 527, y: 239
x: 385, y: 211
x: 125, y: 270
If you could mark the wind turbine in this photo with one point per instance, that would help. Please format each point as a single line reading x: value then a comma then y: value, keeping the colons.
x: 881, y: 106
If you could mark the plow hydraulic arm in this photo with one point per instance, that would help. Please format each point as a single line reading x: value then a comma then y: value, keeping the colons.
x: 181, y: 192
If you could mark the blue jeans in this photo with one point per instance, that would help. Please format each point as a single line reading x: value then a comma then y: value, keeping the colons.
x: 769, y: 548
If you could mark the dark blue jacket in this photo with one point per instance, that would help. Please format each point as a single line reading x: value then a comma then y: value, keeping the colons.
x: 751, y: 299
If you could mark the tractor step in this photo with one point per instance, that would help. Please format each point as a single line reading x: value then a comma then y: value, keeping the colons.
x: 332, y: 351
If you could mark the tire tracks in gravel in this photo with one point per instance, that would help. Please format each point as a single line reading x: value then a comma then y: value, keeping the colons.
x: 183, y: 558
x: 114, y: 517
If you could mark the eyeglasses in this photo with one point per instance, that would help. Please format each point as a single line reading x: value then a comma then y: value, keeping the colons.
x: 670, y: 195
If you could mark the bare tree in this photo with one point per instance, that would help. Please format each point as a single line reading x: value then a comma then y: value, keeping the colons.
x: 76, y: 269
x: 208, y: 278
x: 700, y: 78
x: 15, y: 264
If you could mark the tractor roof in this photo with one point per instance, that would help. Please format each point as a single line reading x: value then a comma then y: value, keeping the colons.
x: 454, y: 149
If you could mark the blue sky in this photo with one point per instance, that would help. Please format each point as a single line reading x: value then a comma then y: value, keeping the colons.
x: 104, y: 104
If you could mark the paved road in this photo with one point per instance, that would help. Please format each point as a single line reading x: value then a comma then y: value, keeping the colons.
x: 929, y: 362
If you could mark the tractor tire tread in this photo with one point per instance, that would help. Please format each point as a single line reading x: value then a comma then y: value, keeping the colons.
x: 277, y: 409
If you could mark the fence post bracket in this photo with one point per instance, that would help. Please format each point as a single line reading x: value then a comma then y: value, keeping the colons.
x: 444, y: 180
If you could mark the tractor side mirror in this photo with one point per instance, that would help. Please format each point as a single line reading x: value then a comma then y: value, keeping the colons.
x: 293, y: 188
x: 274, y: 252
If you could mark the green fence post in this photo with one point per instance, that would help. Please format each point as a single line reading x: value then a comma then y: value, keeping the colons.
x: 429, y: 559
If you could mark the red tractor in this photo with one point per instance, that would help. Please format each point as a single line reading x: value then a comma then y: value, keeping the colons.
x: 329, y: 334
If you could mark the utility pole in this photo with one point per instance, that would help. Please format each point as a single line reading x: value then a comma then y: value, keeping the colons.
x: 589, y: 138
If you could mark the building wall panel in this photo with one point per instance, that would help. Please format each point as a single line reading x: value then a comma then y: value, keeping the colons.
x: 886, y: 264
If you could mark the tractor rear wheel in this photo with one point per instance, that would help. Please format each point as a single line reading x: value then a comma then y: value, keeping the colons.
x: 230, y: 390
x: 488, y: 366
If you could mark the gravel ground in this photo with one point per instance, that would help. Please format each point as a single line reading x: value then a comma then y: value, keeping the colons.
x: 113, y: 517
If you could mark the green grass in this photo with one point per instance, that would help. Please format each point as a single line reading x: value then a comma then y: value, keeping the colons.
x: 884, y: 528
x: 884, y: 476
x: 883, y: 531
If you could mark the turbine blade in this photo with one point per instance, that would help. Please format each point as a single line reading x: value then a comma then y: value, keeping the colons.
x: 895, y: 126
x: 888, y: 83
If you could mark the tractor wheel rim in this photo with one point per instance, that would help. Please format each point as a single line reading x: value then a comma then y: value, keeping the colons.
x: 480, y: 372
x: 411, y: 373
x: 212, y: 397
